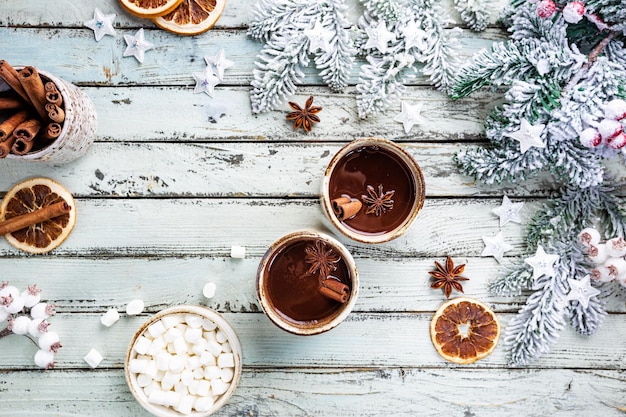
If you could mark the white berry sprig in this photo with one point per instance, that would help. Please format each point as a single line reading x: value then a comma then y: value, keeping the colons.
x: 608, y: 258
x: 25, y: 314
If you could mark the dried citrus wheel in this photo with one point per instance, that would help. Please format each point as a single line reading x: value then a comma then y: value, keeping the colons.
x: 31, y: 195
x: 464, y: 330
x: 192, y: 17
x: 150, y: 8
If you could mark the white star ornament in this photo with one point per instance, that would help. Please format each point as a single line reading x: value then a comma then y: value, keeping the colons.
x: 379, y: 37
x: 508, y: 211
x: 319, y: 38
x: 137, y: 45
x: 528, y: 136
x: 410, y: 116
x: 101, y: 24
x: 581, y: 291
x: 495, y: 246
x: 414, y: 37
x: 542, y: 263
x: 219, y: 63
x: 205, y: 82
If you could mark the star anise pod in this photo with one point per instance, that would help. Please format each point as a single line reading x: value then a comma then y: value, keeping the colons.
x: 304, y: 117
x: 321, y: 259
x: 378, y: 203
x: 448, y: 277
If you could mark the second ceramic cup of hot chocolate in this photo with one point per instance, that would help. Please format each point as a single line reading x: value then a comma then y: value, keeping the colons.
x: 372, y: 190
x: 307, y: 282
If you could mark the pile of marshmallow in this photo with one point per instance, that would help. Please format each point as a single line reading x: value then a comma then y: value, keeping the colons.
x: 607, y: 257
x: 609, y: 131
x: 183, y: 361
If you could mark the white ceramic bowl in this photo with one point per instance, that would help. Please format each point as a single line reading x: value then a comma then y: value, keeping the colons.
x: 205, y: 313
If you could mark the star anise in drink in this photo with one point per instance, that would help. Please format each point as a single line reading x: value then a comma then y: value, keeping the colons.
x: 448, y: 277
x: 304, y: 116
x: 378, y: 202
x: 321, y: 259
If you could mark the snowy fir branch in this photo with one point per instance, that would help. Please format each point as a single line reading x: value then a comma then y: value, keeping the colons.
x: 397, y: 46
x: 295, y: 31
x: 563, y: 71
x: 474, y: 12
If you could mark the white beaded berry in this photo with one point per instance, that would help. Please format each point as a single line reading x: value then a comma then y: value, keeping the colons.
x: 615, y: 109
x: 590, y: 137
x: 609, y: 128
x: 589, y: 236
x: 573, y: 12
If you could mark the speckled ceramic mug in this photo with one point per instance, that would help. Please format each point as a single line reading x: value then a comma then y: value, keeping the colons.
x: 78, y: 130
x: 307, y: 282
x: 372, y: 190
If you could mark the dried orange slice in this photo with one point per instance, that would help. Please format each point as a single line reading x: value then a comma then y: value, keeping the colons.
x: 32, y: 195
x: 192, y: 17
x: 464, y: 330
x: 150, y: 8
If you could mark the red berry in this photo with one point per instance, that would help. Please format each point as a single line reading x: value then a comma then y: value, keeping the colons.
x: 546, y: 9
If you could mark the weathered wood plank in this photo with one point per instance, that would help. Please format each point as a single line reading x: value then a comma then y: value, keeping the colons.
x: 239, y: 170
x: 363, y: 340
x: 86, y: 61
x: 208, y: 227
x: 65, y: 282
x: 66, y: 13
x: 398, y: 392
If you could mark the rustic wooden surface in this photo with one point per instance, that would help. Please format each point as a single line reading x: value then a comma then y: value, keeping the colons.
x: 165, y: 191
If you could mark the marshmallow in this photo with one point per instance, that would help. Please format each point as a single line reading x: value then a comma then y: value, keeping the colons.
x: 172, y: 334
x: 212, y: 372
x: 238, y: 252
x: 186, y: 377
x: 181, y: 388
x: 185, y: 404
x: 151, y: 387
x: 163, y: 361
x: 169, y: 379
x: 207, y: 359
x: 142, y: 344
x: 93, y: 358
x: 226, y: 360
x: 177, y: 363
x: 156, y: 329
x: 172, y: 320
x: 171, y: 348
x: 209, y: 290
x: 143, y: 380
x: 198, y: 373
x: 208, y: 324
x: 193, y: 320
x: 203, y: 404
x: 214, y: 348
x: 226, y: 347
x: 138, y: 366
x: 210, y: 336
x: 192, y: 362
x: 193, y: 335
x: 204, y: 388
x: 109, y: 318
x: 157, y: 397
x: 172, y: 398
x: 134, y: 307
x: 152, y: 370
x: 226, y: 374
x: 199, y: 347
x: 218, y: 387
x: 220, y: 336
x: 158, y: 377
x: 157, y: 345
x: 180, y: 346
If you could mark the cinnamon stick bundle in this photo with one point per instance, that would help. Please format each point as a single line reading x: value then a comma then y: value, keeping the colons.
x: 27, y: 130
x: 21, y: 146
x: 8, y: 126
x: 335, y: 290
x: 345, y: 207
x: 38, y: 216
x: 11, y: 77
x: 31, y: 81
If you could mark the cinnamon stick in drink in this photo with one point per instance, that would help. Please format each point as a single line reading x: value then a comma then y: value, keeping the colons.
x: 335, y: 290
x: 8, y: 126
x: 31, y: 81
x: 21, y: 146
x: 11, y: 77
x: 27, y: 130
x: 38, y: 216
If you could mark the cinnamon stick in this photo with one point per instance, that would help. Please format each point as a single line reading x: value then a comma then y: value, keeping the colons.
x: 8, y: 126
x: 345, y: 207
x: 52, y: 131
x: 335, y: 290
x: 10, y: 103
x: 53, y: 95
x: 21, y: 146
x: 5, y: 147
x: 38, y: 216
x: 31, y: 81
x: 11, y: 77
x: 55, y: 113
x: 27, y: 130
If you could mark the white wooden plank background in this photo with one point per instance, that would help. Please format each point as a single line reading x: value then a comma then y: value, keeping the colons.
x: 166, y: 190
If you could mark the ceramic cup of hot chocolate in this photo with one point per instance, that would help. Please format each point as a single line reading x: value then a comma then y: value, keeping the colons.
x: 307, y: 282
x: 372, y: 190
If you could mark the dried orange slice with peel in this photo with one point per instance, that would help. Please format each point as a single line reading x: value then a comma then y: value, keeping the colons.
x: 31, y: 195
x: 150, y: 8
x: 192, y: 17
x: 464, y: 330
